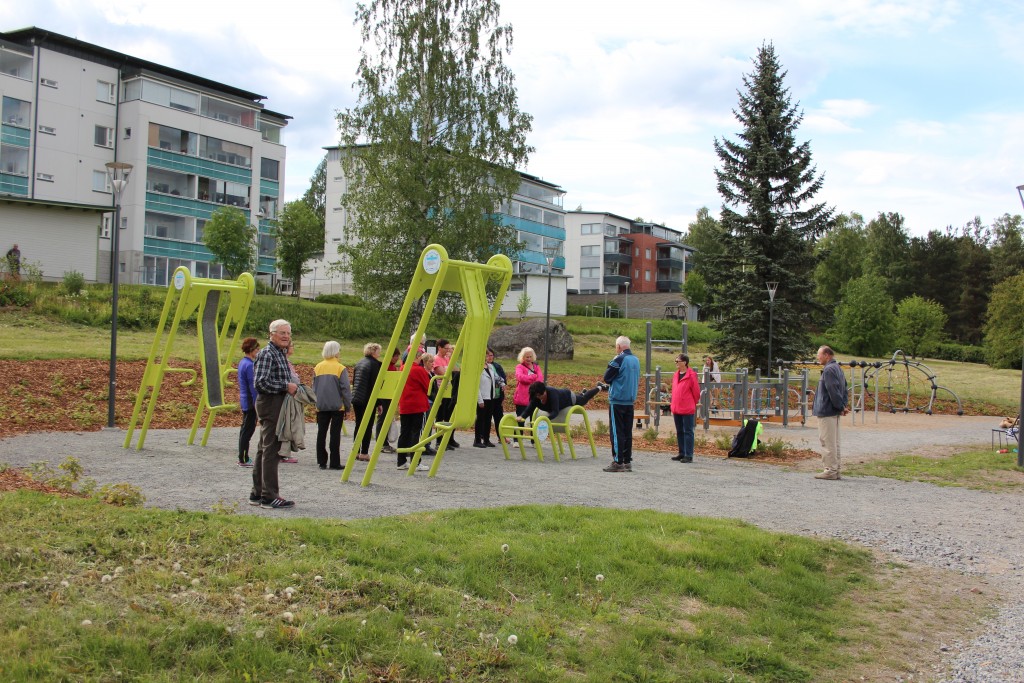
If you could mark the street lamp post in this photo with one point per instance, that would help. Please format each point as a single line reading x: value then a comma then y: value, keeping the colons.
x: 1020, y: 451
x: 627, y: 297
x: 118, y: 173
x: 771, y: 286
x: 550, y: 254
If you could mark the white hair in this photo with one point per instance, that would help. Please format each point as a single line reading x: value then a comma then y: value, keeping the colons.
x: 331, y: 350
x: 278, y: 324
x: 623, y: 342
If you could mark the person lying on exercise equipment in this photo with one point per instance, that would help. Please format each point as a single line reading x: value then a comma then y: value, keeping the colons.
x: 553, y: 400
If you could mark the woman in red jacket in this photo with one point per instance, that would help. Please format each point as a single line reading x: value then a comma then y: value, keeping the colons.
x: 685, y: 396
x: 412, y: 406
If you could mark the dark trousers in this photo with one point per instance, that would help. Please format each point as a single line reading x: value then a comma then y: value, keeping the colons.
x: 245, y: 435
x: 484, y: 415
x: 497, y: 412
x: 264, y: 470
x: 685, y: 426
x: 384, y: 407
x: 360, y: 409
x: 621, y: 422
x: 411, y: 424
x: 328, y: 420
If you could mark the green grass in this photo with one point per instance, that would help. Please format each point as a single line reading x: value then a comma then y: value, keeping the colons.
x: 985, y: 470
x: 432, y: 596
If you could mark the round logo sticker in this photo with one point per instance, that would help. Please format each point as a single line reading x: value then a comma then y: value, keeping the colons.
x: 179, y: 280
x: 541, y: 432
x: 432, y: 261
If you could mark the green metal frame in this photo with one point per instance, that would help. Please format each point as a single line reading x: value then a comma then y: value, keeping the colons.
x: 200, y: 296
x: 436, y: 273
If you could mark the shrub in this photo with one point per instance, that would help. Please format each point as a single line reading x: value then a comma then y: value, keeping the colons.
x: 12, y: 294
x: 341, y: 300
x: 122, y: 495
x: 73, y: 282
x: 963, y: 353
x: 723, y: 441
x: 600, y: 428
x: 773, y: 446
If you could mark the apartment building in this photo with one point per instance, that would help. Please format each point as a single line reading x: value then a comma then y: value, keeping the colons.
x: 535, y: 211
x: 608, y: 253
x: 196, y: 145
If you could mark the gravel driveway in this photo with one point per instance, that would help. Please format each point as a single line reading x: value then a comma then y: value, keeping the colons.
x: 948, y: 528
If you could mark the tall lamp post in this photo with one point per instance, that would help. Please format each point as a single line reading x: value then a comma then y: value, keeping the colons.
x: 117, y: 173
x: 628, y: 282
x: 1020, y: 454
x: 550, y: 254
x: 771, y: 286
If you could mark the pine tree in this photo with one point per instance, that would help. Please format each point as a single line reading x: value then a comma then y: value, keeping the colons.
x: 767, y: 182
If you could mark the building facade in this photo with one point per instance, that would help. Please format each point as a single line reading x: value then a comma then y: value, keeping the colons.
x: 70, y: 107
x: 535, y: 211
x: 608, y: 253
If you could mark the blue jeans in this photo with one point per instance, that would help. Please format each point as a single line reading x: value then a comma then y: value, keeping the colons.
x: 685, y: 426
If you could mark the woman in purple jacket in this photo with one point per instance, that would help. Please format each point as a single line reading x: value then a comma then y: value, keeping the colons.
x: 247, y: 399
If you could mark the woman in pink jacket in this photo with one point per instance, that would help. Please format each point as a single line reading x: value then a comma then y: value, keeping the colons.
x: 527, y: 372
x: 685, y: 396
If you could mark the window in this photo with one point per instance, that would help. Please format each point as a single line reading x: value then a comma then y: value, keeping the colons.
x: 48, y: 82
x: 647, y: 253
x: 16, y: 64
x: 590, y: 250
x: 49, y: 130
x: 530, y: 213
x: 14, y: 159
x: 105, y: 226
x: 173, y: 139
x: 636, y: 274
x: 103, y: 136
x: 590, y: 229
x: 128, y: 133
x: 647, y: 276
x: 105, y: 92
x: 200, y: 226
x: 225, y: 152
x: 637, y: 252
x: 269, y: 168
x: 100, y: 181
x: 590, y: 272
x: 45, y: 177
x: 16, y: 112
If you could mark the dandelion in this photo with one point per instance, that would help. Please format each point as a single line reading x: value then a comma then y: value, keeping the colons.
x: 195, y: 582
x: 417, y: 570
x: 119, y: 570
x: 270, y: 597
x: 259, y: 634
x: 318, y: 578
x: 288, y: 616
x: 86, y: 622
x: 106, y: 578
x: 363, y: 622
x: 512, y: 639
x: 291, y: 589
x: 504, y: 547
x: 599, y: 577
x: 64, y: 584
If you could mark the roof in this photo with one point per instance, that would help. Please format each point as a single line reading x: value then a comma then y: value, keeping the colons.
x: 47, y: 203
x: 72, y: 46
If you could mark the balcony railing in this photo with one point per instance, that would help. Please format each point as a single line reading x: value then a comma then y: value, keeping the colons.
x: 669, y: 286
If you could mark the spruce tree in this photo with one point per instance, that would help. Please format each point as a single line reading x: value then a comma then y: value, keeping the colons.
x: 767, y: 182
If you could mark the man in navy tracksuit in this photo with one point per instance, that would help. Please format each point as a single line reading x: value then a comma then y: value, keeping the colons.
x: 622, y: 378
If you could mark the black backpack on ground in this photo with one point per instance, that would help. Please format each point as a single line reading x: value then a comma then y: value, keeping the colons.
x: 743, y: 442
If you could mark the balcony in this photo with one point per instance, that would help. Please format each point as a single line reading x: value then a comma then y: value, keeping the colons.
x: 669, y: 286
x: 616, y: 257
x: 614, y: 281
x: 670, y: 262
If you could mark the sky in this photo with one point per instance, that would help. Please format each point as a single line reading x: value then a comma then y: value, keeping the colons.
x: 909, y: 106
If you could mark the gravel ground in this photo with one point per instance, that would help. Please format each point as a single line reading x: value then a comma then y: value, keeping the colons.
x: 972, y: 532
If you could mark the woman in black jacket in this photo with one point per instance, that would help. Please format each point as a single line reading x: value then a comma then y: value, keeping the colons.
x: 364, y: 376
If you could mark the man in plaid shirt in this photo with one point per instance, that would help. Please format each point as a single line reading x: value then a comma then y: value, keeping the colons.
x: 273, y: 382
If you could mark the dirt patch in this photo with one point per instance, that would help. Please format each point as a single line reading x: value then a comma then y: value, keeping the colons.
x: 14, y: 480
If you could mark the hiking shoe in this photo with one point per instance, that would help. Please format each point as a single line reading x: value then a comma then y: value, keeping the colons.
x: 678, y: 458
x: 488, y: 444
x: 830, y: 475
x: 246, y: 463
x: 365, y: 457
x: 602, y: 386
x: 254, y: 499
x: 627, y: 467
x: 387, y: 448
x: 614, y: 467
x: 277, y: 504
x: 404, y: 466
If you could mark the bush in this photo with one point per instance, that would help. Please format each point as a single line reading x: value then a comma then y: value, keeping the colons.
x: 12, y: 294
x: 73, y: 282
x: 341, y: 300
x: 963, y: 353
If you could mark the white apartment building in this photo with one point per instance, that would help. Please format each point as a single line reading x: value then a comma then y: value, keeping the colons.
x: 609, y: 253
x: 70, y: 107
x: 535, y: 211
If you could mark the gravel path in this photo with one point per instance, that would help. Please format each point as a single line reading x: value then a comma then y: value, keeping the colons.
x: 966, y: 531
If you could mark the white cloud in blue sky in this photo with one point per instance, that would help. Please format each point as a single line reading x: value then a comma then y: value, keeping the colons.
x: 915, y: 107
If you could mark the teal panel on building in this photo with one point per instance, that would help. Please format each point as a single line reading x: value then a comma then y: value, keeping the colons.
x: 183, y: 163
x: 13, y: 135
x: 193, y: 251
x: 532, y: 226
x: 270, y: 188
x: 13, y: 184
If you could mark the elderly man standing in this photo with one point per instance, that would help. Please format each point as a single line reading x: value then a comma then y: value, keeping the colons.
x: 622, y: 378
x: 829, y: 407
x: 273, y: 382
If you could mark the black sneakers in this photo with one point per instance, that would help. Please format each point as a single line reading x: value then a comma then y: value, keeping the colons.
x: 602, y: 386
x: 254, y: 499
x: 277, y: 504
